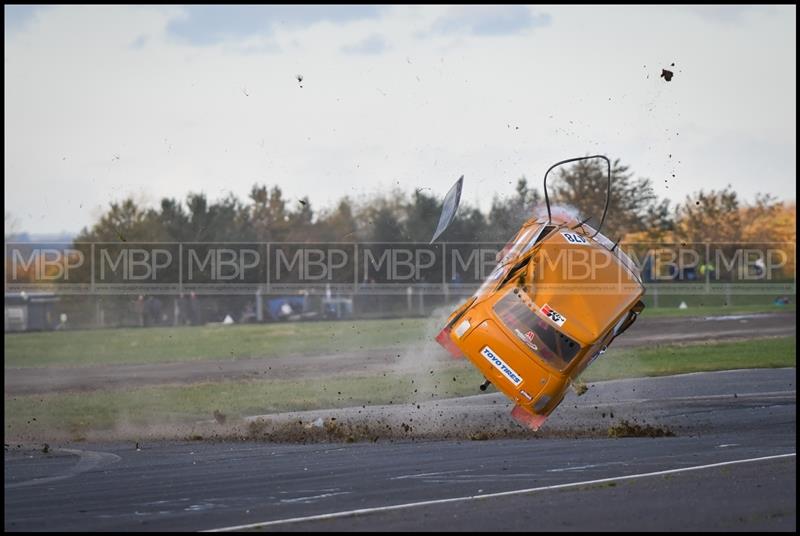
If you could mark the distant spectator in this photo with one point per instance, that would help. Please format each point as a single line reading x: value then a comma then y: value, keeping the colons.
x: 248, y: 315
x: 152, y: 308
x: 760, y: 268
x: 191, y: 309
x: 285, y: 311
x: 138, y: 307
x: 707, y: 269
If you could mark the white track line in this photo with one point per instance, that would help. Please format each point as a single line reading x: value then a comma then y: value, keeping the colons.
x: 87, y: 460
x: 362, y: 511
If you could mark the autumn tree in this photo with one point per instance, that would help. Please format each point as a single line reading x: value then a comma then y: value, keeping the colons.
x: 268, y: 214
x: 124, y: 221
x: 584, y: 186
x: 421, y: 216
x: 337, y: 225
x: 710, y: 217
x: 506, y: 216
x: 769, y: 220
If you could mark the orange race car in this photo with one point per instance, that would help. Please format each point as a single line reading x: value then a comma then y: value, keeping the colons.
x: 559, y: 295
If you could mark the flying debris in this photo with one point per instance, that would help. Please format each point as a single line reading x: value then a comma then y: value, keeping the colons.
x: 449, y: 207
x: 538, y: 322
x: 300, y: 79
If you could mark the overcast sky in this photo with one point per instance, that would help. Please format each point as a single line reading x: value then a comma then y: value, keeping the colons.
x: 104, y: 102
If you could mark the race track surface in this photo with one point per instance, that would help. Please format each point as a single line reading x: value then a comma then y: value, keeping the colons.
x: 731, y: 466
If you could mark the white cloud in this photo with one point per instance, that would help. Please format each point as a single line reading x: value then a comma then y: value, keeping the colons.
x: 373, y: 44
x: 494, y: 20
x: 224, y: 115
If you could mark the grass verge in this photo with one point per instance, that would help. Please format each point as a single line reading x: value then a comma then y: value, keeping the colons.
x: 74, y: 415
x: 706, y: 310
x: 682, y: 358
x: 162, y: 345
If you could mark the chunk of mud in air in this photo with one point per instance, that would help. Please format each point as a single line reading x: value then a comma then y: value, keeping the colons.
x: 318, y: 423
x: 666, y: 74
x: 580, y: 388
x: 628, y: 429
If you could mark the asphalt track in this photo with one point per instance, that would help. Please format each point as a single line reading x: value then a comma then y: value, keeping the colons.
x: 731, y: 466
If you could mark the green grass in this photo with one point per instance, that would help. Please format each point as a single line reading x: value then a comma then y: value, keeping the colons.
x: 161, y: 345
x: 667, y: 298
x: 712, y: 310
x: 77, y: 413
x: 681, y: 358
x: 74, y: 414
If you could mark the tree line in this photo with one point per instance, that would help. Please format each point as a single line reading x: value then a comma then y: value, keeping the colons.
x: 635, y: 213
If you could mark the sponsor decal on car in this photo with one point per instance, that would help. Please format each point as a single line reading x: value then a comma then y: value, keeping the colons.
x: 551, y: 313
x: 574, y: 238
x: 529, y: 335
x: 462, y: 328
x: 500, y: 365
x: 527, y: 338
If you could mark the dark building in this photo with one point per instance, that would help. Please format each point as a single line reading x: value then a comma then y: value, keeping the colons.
x: 31, y: 311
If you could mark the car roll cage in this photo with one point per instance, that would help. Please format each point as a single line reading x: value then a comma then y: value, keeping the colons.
x: 608, y: 191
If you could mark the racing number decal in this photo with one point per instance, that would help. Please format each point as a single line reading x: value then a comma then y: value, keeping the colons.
x: 574, y: 238
x: 550, y: 313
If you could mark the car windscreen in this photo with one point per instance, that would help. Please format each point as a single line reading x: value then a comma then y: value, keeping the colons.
x: 516, y: 311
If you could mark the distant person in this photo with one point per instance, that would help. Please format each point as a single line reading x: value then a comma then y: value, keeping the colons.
x: 759, y: 268
x: 138, y: 307
x: 285, y: 311
x: 248, y: 315
x: 191, y: 309
x: 152, y: 311
x: 707, y: 270
x: 158, y: 315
